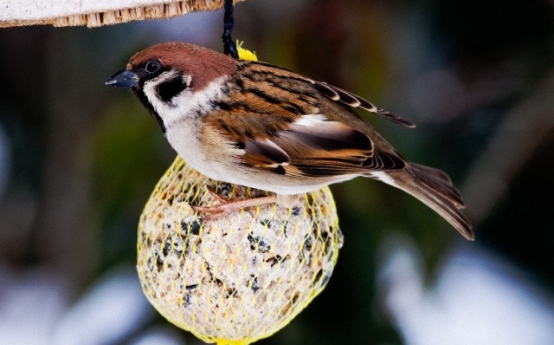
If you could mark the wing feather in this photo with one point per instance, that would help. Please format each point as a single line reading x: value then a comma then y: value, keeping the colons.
x: 325, y: 148
x: 339, y: 95
x: 264, y: 154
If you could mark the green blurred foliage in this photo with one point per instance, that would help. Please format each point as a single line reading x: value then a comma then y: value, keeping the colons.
x: 130, y: 155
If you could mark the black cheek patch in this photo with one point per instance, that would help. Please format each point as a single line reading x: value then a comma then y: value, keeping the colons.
x: 171, y: 88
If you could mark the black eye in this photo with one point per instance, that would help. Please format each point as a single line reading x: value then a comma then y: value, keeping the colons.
x: 152, y: 66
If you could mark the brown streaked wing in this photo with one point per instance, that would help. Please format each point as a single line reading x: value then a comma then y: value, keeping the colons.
x: 332, y: 92
x: 265, y: 114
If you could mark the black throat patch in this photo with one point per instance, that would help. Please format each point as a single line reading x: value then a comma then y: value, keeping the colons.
x: 144, y: 100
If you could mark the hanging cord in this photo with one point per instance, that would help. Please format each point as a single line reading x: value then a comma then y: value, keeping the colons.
x: 229, y: 47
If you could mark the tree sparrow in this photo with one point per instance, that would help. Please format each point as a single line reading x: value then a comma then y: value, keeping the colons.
x: 258, y: 125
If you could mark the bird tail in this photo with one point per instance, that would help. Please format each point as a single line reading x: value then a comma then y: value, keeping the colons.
x: 434, y: 188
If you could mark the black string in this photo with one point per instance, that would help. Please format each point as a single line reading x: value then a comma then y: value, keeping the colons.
x: 229, y: 46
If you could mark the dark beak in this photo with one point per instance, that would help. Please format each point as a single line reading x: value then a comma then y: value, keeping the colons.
x: 123, y: 78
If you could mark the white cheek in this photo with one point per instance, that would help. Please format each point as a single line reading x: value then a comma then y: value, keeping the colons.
x: 188, y: 104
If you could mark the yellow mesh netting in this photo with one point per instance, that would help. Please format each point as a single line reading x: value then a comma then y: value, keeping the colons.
x: 241, y: 277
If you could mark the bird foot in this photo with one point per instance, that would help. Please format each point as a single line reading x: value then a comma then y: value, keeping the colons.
x: 225, y: 207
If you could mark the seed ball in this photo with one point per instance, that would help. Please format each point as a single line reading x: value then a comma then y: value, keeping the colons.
x: 240, y: 277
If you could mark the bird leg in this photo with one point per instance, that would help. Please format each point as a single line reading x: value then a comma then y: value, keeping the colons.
x: 226, y: 207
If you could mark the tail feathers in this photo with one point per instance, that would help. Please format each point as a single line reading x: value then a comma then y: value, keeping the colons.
x: 438, y: 181
x: 434, y: 188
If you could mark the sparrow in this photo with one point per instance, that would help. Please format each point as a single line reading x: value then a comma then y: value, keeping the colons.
x: 258, y: 125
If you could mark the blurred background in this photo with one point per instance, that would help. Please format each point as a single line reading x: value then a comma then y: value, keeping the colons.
x: 78, y: 161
